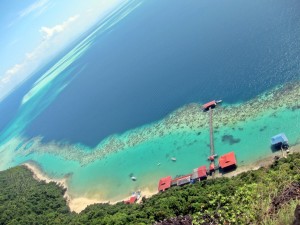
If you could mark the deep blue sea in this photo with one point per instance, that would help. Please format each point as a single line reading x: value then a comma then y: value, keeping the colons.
x: 166, y: 54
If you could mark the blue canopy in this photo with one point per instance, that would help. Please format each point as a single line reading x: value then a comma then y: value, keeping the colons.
x: 279, y: 138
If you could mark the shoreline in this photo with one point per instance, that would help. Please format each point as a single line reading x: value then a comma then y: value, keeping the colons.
x: 75, y: 204
x: 78, y: 204
x: 263, y: 162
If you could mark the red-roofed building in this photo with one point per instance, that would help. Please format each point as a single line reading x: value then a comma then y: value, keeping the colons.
x: 131, y: 200
x: 184, y: 180
x: 208, y: 105
x: 199, y: 173
x: 227, y: 161
x: 202, y: 172
x: 178, y: 178
x: 178, y: 181
x: 164, y: 183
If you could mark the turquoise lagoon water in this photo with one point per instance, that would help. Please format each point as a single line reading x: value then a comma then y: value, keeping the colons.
x: 154, y: 117
x: 108, y: 178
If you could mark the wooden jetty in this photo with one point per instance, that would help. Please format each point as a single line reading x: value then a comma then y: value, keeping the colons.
x: 212, y: 146
x: 211, y: 131
x: 209, y: 107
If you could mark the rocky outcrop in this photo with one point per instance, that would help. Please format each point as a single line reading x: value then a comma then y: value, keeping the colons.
x: 179, y: 220
x: 292, y: 192
x: 297, y: 215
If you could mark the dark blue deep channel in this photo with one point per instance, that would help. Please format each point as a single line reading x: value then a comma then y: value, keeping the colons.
x: 170, y: 53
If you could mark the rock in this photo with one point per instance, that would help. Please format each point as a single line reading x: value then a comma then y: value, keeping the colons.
x: 297, y: 215
x: 179, y: 220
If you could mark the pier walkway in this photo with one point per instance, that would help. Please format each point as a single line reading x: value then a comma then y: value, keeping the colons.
x: 212, y: 147
x: 211, y: 131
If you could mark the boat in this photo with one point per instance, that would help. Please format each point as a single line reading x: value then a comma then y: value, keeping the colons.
x: 133, y: 178
x: 173, y: 159
x: 158, y: 164
x: 212, y: 157
x: 218, y: 101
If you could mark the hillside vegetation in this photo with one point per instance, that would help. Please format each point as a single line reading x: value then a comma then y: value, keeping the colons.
x: 264, y: 196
